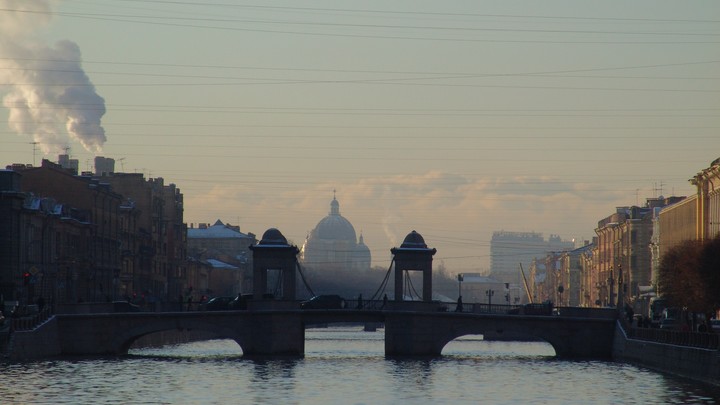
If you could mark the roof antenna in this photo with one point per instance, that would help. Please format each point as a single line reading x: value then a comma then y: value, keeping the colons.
x: 34, y: 144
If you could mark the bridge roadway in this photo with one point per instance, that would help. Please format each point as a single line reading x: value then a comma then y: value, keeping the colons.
x: 281, y: 332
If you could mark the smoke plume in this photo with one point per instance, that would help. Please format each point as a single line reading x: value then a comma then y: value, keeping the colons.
x: 46, y: 87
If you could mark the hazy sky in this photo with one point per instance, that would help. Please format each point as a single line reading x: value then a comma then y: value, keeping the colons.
x: 452, y: 118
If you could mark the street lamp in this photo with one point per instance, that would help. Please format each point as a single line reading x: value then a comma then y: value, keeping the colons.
x: 560, y: 290
x: 621, y: 296
x: 489, y: 294
x: 610, y: 281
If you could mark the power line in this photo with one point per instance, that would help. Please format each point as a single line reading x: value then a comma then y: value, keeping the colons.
x: 370, y: 36
x: 415, y: 12
x: 353, y: 25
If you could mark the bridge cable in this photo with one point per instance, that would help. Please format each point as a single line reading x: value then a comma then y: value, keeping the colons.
x: 302, y: 277
x: 411, y: 287
x: 278, y: 285
x: 383, y: 284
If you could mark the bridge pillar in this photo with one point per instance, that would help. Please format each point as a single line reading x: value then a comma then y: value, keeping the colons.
x: 407, y: 335
x: 273, y: 335
x: 413, y: 254
x: 273, y: 253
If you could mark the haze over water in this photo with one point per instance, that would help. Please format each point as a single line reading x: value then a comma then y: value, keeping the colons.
x: 344, y: 366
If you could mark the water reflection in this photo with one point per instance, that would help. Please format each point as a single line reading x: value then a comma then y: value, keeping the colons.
x: 269, y: 376
x: 415, y: 377
x: 343, y: 366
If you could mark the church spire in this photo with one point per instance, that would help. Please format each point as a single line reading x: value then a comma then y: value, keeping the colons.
x: 334, y: 206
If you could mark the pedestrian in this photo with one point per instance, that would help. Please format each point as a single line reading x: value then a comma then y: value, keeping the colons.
x: 385, y: 300
x: 360, y: 302
x: 629, y: 313
x: 459, y: 307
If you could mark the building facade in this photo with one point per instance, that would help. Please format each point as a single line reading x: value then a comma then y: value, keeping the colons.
x: 158, y: 254
x: 707, y: 209
x: 89, y: 238
x: 224, y: 243
x: 589, y: 279
x: 624, y: 257
x: 98, y: 267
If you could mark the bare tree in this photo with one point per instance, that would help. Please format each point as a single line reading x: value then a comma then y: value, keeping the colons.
x: 689, y: 275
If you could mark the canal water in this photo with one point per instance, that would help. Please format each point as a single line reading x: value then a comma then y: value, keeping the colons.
x: 344, y: 366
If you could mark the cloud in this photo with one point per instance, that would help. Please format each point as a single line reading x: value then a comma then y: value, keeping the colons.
x: 49, y: 96
x: 456, y: 214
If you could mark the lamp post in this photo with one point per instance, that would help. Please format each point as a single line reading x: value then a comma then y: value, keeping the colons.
x: 560, y: 291
x: 621, y: 296
x: 460, y: 280
x: 611, y: 281
x: 489, y: 294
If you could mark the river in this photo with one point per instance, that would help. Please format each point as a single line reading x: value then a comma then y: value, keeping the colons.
x: 344, y: 366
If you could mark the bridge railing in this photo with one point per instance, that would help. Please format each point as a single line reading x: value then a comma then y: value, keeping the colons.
x: 703, y: 340
x: 479, y: 308
x: 30, y: 321
x: 395, y: 305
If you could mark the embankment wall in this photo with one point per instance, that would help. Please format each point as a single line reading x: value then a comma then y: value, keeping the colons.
x: 689, y: 362
x: 42, y: 342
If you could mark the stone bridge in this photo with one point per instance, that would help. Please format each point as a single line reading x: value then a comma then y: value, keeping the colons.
x: 282, y: 332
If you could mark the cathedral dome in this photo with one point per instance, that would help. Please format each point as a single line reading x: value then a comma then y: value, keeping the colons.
x: 334, y: 226
x: 333, y: 244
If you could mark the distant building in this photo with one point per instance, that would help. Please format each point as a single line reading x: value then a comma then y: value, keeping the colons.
x: 509, y: 249
x: 569, y: 280
x: 589, y: 278
x: 219, y: 240
x: 70, y: 164
x: 333, y: 244
x: 104, y: 166
x: 222, y: 243
x: 224, y: 279
x: 483, y: 289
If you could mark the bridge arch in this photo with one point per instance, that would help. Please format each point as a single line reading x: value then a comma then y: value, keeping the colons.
x: 467, y: 345
x: 500, y: 330
x: 428, y: 334
x: 123, y: 340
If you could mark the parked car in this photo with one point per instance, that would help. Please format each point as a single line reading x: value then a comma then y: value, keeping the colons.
x: 545, y: 308
x: 715, y: 325
x: 125, y: 306
x: 240, y: 302
x: 657, y: 305
x: 670, y: 318
x: 324, y: 302
x: 218, y: 304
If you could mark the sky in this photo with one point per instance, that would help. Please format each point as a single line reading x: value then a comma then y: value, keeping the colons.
x: 452, y: 118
